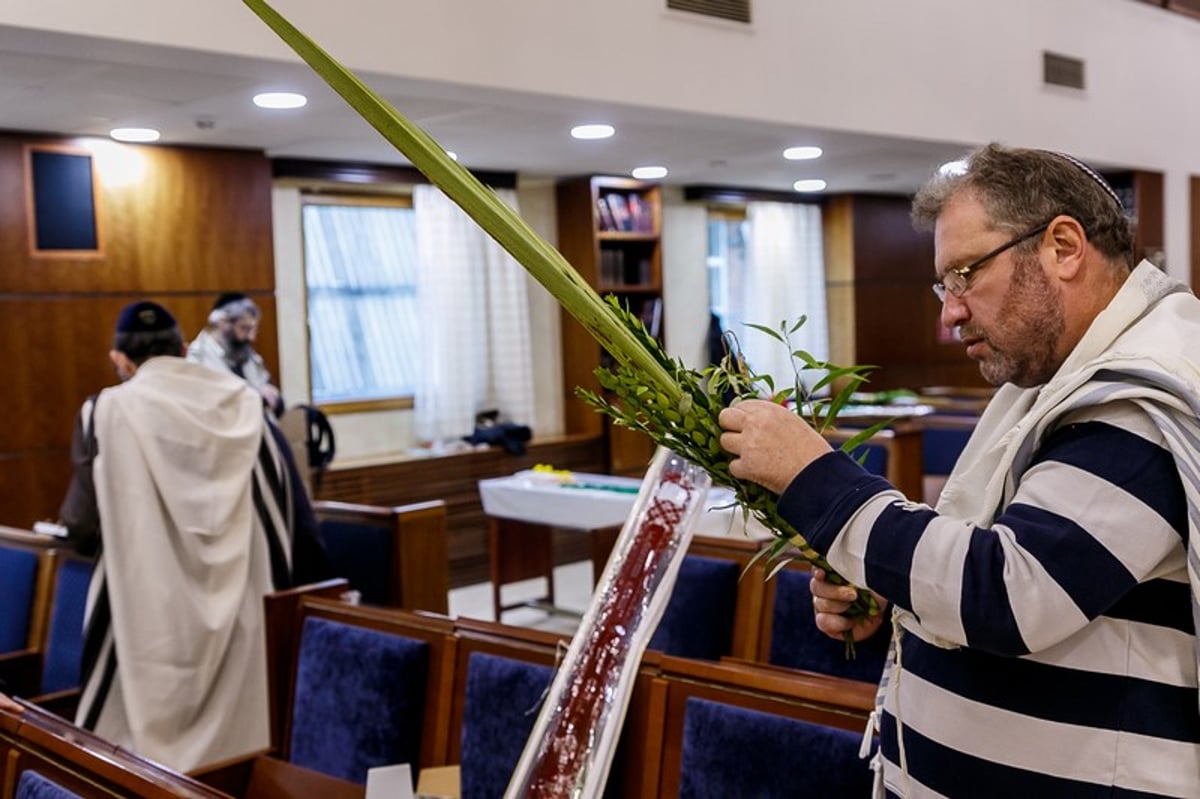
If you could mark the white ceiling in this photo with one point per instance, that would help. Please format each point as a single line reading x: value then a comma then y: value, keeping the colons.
x: 74, y: 85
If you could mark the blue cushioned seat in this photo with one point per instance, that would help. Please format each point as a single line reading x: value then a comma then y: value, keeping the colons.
x: 797, y: 643
x: 729, y: 751
x: 64, y: 644
x: 363, y: 554
x: 34, y: 786
x: 940, y: 448
x: 698, y: 620
x: 503, y: 697
x: 359, y: 699
x: 18, y: 581
x: 874, y: 458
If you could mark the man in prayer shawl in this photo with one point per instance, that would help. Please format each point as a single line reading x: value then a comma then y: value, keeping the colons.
x: 227, y: 343
x: 1044, y: 613
x: 189, y: 493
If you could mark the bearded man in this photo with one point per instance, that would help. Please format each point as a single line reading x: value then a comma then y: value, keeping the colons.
x: 1044, y: 613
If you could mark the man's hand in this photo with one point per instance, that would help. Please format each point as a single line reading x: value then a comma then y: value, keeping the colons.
x: 831, y: 601
x: 270, y: 395
x: 771, y: 444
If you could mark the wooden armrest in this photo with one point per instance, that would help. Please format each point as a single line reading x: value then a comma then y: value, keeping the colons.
x: 230, y: 776
x: 278, y: 779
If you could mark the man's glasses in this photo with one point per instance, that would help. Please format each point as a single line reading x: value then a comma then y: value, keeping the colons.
x: 958, y: 279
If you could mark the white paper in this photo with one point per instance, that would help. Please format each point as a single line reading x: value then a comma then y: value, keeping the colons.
x: 390, y: 782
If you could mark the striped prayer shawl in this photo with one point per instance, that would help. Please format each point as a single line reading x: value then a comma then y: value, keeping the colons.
x: 196, y: 520
x: 1046, y: 612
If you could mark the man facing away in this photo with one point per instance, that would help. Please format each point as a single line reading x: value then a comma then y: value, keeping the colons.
x: 198, y: 513
x: 1045, y: 612
x: 227, y: 344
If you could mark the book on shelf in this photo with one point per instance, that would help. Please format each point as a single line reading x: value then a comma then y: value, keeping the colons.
x: 651, y: 316
x: 606, y: 218
x: 640, y: 214
x: 620, y: 211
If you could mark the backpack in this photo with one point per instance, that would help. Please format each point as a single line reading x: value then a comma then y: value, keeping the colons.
x: 318, y: 440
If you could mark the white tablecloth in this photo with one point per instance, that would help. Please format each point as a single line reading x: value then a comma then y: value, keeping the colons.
x: 597, y: 501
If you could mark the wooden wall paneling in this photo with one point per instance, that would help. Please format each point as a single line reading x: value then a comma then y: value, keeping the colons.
x: 837, y: 222
x: 895, y: 318
x: 197, y: 222
x: 1148, y: 192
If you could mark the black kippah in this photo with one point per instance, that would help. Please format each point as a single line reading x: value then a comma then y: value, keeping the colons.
x: 228, y: 297
x: 144, y: 317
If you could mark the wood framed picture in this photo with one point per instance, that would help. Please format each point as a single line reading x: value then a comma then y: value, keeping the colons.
x: 62, y: 202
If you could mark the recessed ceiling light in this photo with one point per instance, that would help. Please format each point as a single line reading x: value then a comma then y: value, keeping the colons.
x: 134, y: 134
x: 814, y: 184
x: 806, y: 153
x: 280, y: 100
x: 649, y: 172
x: 952, y: 168
x: 592, y: 131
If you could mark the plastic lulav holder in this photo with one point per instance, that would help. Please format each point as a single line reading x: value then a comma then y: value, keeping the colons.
x: 570, y: 751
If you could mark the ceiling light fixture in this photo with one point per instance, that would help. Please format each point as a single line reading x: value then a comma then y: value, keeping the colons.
x: 276, y: 100
x: 592, y: 131
x: 805, y: 153
x: 649, y: 172
x: 812, y: 184
x: 134, y: 134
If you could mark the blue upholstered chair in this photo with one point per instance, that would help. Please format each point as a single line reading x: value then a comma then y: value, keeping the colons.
x: 940, y: 448
x: 363, y: 554
x: 797, y: 643
x: 874, y: 458
x: 359, y: 699
x: 32, y: 785
x: 64, y: 640
x: 731, y: 751
x: 698, y: 620
x: 393, y: 556
x: 503, y: 697
x: 18, y: 585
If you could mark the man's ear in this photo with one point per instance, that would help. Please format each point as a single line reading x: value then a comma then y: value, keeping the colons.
x: 1068, y: 242
x: 125, y: 367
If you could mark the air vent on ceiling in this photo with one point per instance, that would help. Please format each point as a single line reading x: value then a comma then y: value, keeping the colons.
x: 736, y: 10
x: 1062, y: 70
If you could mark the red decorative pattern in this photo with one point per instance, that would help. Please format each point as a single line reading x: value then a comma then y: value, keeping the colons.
x: 579, y: 719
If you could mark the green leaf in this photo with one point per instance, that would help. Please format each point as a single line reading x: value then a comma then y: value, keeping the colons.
x: 764, y: 329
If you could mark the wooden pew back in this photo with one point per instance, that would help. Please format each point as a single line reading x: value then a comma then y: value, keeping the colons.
x: 395, y: 556
x: 83, y: 763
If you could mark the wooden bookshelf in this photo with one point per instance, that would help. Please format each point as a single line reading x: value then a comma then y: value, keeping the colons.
x: 610, y: 229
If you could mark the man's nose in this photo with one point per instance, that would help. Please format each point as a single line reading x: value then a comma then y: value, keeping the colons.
x: 954, y: 311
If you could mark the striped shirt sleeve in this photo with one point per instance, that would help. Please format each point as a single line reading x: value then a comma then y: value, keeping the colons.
x: 1098, y: 519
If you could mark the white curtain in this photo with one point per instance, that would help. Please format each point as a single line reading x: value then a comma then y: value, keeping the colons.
x: 784, y: 280
x: 474, y: 323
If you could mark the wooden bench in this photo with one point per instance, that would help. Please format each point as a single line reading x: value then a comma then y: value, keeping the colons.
x: 395, y: 556
x: 78, y: 761
x: 825, y: 702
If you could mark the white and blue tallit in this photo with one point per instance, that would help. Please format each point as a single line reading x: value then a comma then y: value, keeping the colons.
x: 194, y: 522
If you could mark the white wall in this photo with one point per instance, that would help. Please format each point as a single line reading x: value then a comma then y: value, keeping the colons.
x: 947, y: 70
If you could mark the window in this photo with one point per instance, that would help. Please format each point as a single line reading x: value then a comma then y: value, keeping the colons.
x: 360, y: 258
x: 726, y: 263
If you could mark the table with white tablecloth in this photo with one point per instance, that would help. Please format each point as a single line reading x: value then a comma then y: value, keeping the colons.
x: 523, y: 510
